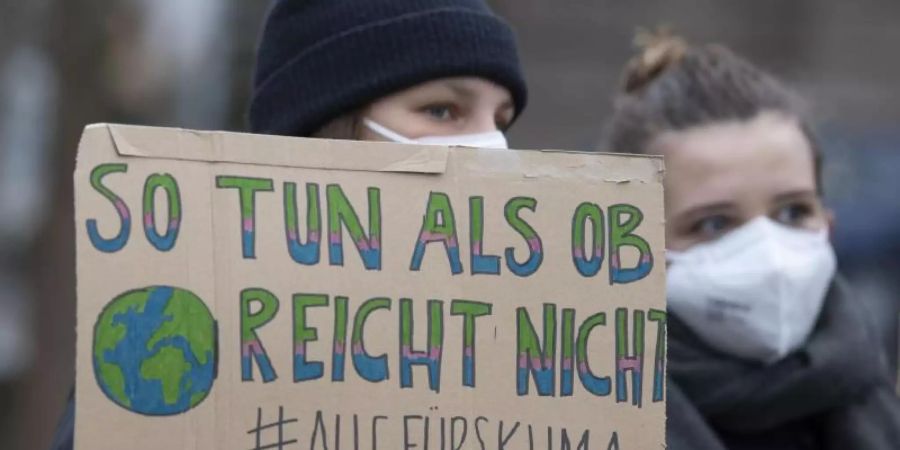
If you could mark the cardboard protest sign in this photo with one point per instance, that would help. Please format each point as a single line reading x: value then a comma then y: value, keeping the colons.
x: 257, y: 292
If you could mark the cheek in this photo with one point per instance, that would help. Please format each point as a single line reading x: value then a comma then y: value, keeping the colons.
x: 396, y: 115
x: 820, y: 220
x: 677, y: 239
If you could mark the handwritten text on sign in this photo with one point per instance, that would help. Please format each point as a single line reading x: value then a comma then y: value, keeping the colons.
x: 417, y: 283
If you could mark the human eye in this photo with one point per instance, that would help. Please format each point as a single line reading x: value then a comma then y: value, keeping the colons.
x: 793, y: 214
x: 442, y: 112
x: 711, y: 227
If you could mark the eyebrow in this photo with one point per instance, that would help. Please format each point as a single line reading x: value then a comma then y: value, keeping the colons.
x: 796, y: 194
x: 461, y: 90
x: 705, y: 209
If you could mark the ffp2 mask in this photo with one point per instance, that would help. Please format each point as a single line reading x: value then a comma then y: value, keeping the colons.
x: 754, y: 293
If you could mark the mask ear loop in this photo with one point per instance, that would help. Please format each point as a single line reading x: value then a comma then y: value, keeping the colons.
x: 386, y: 132
x: 489, y: 139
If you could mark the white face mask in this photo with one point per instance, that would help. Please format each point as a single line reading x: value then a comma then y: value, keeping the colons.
x: 491, y: 139
x: 754, y: 293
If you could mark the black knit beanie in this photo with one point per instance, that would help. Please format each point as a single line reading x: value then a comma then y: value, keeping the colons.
x: 319, y: 59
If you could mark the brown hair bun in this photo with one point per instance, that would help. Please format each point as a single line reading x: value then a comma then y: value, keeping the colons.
x: 670, y: 86
x: 659, y: 50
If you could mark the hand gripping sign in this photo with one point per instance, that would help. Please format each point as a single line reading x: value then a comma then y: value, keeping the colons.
x: 257, y: 292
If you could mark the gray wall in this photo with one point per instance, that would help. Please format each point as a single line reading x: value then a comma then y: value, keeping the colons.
x: 840, y: 54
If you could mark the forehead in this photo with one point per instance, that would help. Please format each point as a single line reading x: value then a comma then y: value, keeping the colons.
x: 736, y: 161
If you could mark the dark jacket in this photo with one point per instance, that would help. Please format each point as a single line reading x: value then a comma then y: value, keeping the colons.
x: 833, y: 393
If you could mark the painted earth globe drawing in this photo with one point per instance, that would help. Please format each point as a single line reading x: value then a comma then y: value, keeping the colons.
x: 154, y: 350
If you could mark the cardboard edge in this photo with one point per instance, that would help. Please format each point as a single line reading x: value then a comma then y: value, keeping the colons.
x: 658, y: 160
x: 221, y: 147
x: 86, y: 135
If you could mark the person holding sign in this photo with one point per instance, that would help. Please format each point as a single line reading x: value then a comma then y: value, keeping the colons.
x: 438, y: 72
x: 767, y: 347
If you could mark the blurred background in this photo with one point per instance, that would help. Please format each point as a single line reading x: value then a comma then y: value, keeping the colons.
x: 187, y: 63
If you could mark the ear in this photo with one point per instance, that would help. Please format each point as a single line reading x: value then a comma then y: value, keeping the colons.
x: 830, y: 222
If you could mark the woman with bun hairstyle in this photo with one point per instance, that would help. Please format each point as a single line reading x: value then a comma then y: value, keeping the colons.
x: 768, y: 349
x: 412, y: 71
